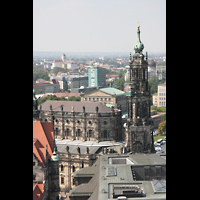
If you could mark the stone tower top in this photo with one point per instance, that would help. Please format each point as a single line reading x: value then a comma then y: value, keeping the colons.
x: 138, y: 46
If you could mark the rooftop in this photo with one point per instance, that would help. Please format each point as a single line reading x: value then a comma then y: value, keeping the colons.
x: 42, y: 137
x: 112, y: 91
x: 110, y: 181
x: 93, y: 146
x: 90, y: 107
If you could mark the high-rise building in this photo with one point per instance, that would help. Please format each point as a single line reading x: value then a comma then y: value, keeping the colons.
x: 96, y: 77
x: 139, y: 128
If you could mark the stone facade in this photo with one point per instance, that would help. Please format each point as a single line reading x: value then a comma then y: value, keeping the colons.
x: 82, y: 125
x: 105, y: 95
x: 69, y: 164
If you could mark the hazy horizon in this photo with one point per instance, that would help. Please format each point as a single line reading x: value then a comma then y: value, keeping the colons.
x: 98, y: 26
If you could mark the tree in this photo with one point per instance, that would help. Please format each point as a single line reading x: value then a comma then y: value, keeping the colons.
x: 65, y: 86
x: 73, y: 98
x: 38, y: 91
x: 51, y: 97
x: 119, y: 84
x: 58, y: 69
x: 163, y: 118
x: 162, y: 127
x: 153, y: 82
x: 40, y: 74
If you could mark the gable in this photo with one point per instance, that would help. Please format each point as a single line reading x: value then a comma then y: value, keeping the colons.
x: 97, y: 93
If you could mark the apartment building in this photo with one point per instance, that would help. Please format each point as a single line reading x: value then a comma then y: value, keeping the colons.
x: 159, y: 99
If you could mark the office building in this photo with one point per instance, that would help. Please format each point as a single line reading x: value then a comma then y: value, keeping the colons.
x: 96, y: 77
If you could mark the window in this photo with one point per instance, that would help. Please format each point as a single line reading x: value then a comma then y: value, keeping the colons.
x: 79, y: 132
x: 56, y: 131
x: 61, y: 168
x: 62, y: 180
x: 73, y: 168
x: 67, y: 132
x: 146, y: 171
x: 82, y: 164
x: 67, y: 121
x: 33, y: 163
x: 105, y: 122
x: 105, y: 133
x: 90, y: 133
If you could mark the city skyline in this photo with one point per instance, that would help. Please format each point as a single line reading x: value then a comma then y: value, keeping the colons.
x: 98, y: 26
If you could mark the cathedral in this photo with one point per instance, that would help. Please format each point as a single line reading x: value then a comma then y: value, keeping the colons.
x: 64, y: 132
x: 139, y: 127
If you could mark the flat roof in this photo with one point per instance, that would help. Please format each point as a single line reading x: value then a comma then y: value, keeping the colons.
x: 93, y: 146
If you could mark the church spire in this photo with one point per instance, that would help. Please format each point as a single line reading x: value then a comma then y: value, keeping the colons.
x: 138, y: 46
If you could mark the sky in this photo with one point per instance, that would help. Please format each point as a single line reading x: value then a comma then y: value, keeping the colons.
x: 98, y: 25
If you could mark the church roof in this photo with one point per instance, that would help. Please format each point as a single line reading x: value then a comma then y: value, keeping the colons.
x: 42, y: 137
x: 37, y: 191
x: 90, y: 107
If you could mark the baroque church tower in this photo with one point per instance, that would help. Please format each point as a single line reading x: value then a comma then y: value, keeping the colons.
x: 139, y: 128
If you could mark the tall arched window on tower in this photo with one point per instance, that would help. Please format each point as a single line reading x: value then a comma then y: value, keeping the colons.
x: 73, y: 168
x: 105, y: 134
x: 56, y: 131
x: 90, y: 133
x: 79, y: 132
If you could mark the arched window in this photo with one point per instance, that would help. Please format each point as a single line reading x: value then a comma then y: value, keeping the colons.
x: 90, y: 133
x: 105, y: 134
x: 82, y: 164
x: 67, y: 132
x: 79, y: 132
x: 56, y: 131
x: 73, y: 168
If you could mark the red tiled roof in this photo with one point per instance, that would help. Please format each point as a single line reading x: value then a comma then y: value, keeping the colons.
x: 46, y: 82
x: 111, y: 75
x: 38, y: 191
x: 57, y: 60
x: 43, y: 133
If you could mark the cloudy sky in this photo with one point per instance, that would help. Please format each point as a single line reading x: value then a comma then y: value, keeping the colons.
x: 98, y: 25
